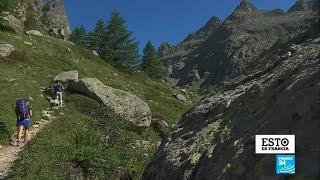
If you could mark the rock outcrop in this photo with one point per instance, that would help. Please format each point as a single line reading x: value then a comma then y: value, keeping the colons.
x: 49, y: 18
x: 55, y: 19
x: 216, y: 138
x: 11, y: 23
x: 6, y: 49
x: 123, y: 103
x: 228, y: 49
x: 67, y: 76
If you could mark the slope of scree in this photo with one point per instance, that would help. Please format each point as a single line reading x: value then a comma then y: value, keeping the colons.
x: 216, y: 138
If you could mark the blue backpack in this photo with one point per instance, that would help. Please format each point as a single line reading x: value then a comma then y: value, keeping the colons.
x: 58, y: 87
x: 22, y: 108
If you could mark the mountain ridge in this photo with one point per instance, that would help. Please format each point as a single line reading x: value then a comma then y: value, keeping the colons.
x: 241, y: 37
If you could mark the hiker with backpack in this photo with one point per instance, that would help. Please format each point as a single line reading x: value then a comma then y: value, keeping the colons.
x: 24, y: 113
x: 58, y: 88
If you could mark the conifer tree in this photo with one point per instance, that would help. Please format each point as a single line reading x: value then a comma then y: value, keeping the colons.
x: 151, y: 65
x: 97, y: 37
x: 79, y: 36
x: 120, y: 46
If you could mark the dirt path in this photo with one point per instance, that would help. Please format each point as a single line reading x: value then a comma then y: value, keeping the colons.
x: 9, y: 153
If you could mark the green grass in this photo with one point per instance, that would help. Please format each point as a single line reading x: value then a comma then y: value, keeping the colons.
x: 75, y: 145
x: 55, y: 152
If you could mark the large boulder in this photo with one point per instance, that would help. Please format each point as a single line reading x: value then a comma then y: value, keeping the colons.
x: 11, y: 23
x: 123, y: 103
x: 67, y: 76
x: 6, y: 49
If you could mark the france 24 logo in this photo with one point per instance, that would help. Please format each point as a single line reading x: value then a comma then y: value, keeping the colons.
x: 285, y: 164
x: 275, y: 144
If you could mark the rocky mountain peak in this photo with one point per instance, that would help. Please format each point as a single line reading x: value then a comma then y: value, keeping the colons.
x: 245, y: 5
x: 163, y: 49
x: 302, y: 5
x: 213, y: 22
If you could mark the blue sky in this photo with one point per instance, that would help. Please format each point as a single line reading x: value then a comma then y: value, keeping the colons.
x: 159, y: 20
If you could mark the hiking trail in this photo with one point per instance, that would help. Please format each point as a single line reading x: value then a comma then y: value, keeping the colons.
x: 9, y: 153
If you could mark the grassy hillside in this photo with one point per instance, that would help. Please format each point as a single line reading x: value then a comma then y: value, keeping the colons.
x: 56, y: 152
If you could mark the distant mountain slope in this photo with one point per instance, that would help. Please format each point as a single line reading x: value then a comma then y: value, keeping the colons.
x: 216, y: 138
x: 233, y: 46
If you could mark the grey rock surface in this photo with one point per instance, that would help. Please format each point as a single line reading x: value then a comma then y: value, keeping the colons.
x: 216, y: 138
x: 67, y: 76
x: 232, y: 48
x: 12, y: 23
x: 34, y: 33
x: 6, y: 49
x: 123, y: 103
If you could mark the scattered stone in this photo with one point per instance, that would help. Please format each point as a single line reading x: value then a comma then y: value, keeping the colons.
x: 185, y: 91
x: 158, y: 143
x: 95, y: 53
x: 61, y: 113
x: 27, y: 43
x: 67, y: 76
x: 6, y: 49
x: 71, y: 43
x: 181, y: 97
x: 69, y: 49
x: 47, y: 117
x: 34, y: 33
x: 36, y: 126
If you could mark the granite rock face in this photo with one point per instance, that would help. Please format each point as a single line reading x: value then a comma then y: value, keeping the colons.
x: 123, y: 103
x: 228, y: 49
x: 55, y: 19
x: 48, y: 18
x: 216, y: 138
x: 67, y: 76
x: 5, y: 49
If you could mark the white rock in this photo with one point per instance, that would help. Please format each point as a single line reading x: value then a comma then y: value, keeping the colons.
x: 6, y: 49
x: 34, y: 33
x: 95, y: 53
x: 46, y: 116
x: 27, y: 43
x: 181, y: 97
x: 67, y: 76
x: 36, y: 126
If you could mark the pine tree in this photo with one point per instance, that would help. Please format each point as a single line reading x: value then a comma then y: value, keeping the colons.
x: 151, y: 65
x: 98, y: 37
x: 120, y: 46
x: 79, y: 36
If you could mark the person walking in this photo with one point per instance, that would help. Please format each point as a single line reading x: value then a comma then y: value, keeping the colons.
x: 58, y: 88
x: 24, y: 113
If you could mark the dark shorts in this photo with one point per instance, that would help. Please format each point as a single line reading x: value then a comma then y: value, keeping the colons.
x: 25, y: 123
